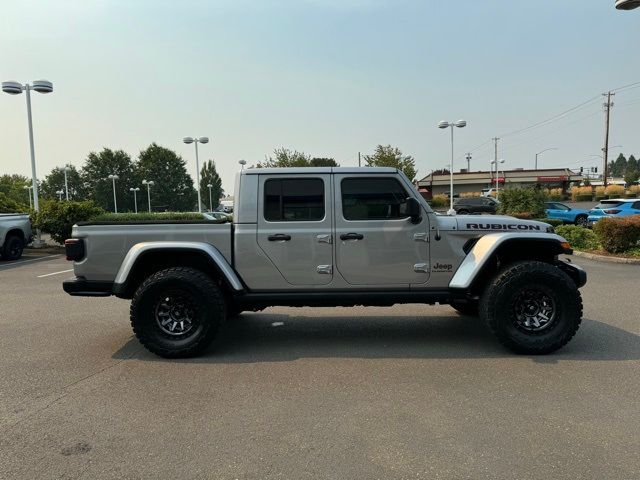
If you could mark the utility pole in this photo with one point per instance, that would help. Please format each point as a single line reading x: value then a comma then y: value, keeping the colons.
x: 359, y: 163
x: 468, y: 162
x: 495, y: 154
x: 605, y: 150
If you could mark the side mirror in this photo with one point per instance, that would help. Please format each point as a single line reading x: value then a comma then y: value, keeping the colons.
x: 413, y: 210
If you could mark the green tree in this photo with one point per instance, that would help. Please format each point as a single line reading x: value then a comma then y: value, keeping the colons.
x: 323, y: 162
x: 388, y: 156
x: 283, y: 157
x: 54, y: 181
x: 209, y: 176
x: 12, y: 186
x: 173, y: 189
x: 631, y: 175
x: 632, y: 163
x: 8, y: 205
x: 618, y: 166
x: 99, y: 187
x: 441, y: 171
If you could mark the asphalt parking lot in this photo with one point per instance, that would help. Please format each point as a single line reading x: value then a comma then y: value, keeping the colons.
x: 404, y: 392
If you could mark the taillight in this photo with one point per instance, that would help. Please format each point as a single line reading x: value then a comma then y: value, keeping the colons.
x: 612, y: 211
x: 74, y: 248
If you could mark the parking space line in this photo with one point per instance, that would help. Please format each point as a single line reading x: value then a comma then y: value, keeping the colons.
x: 55, y: 273
x: 13, y: 264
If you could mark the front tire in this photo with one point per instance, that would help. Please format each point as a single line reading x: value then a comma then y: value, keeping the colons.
x: 581, y: 221
x: 532, y: 307
x: 177, y: 312
x: 12, y: 248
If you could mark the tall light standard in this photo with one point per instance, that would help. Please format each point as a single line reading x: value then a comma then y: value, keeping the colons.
x: 65, y: 169
x: 148, y: 184
x: 60, y: 193
x: 197, y: 140
x: 16, y: 88
x: 445, y: 124
x: 210, y: 197
x: 135, y: 197
x: 545, y: 150
x: 242, y: 164
x: 496, y: 162
x: 113, y: 178
x: 28, y: 189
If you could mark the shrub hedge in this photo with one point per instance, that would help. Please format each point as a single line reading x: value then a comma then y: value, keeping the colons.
x: 146, y: 217
x: 519, y: 201
x: 580, y: 238
x: 618, y: 234
x: 439, y: 201
x: 57, y: 218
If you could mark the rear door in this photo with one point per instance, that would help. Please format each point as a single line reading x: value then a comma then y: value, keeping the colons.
x: 295, y: 226
x: 376, y: 243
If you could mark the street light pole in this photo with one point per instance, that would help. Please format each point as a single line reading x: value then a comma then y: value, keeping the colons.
x: 545, y: 150
x: 113, y: 178
x: 148, y: 184
x: 496, y: 162
x: 444, y: 124
x: 16, y: 88
x: 28, y: 189
x: 197, y: 140
x: 65, y: 169
x: 135, y: 197
x: 210, y: 198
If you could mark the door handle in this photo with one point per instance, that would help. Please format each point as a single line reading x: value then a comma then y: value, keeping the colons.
x: 280, y: 237
x: 351, y: 236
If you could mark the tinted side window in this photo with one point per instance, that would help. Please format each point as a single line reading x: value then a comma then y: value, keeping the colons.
x: 293, y: 199
x: 373, y: 199
x: 636, y: 205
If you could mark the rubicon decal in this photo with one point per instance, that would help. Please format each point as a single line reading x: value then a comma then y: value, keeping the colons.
x: 501, y: 226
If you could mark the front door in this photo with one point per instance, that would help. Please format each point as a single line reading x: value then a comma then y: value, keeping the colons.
x: 376, y: 242
x: 294, y: 226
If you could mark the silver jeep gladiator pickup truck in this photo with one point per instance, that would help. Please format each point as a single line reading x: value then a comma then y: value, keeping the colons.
x: 15, y: 234
x: 329, y: 237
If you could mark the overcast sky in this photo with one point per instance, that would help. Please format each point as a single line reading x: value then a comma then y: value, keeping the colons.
x: 328, y: 77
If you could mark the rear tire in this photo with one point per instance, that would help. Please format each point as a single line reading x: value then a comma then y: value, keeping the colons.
x: 12, y: 248
x: 532, y: 307
x: 177, y: 312
x: 462, y: 212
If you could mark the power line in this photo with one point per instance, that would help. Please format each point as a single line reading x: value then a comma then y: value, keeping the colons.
x: 625, y: 87
x: 553, y: 118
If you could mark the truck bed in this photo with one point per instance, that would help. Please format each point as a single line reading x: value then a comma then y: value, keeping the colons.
x: 107, y: 243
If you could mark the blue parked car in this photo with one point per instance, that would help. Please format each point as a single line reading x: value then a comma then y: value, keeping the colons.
x: 560, y: 211
x: 619, y: 207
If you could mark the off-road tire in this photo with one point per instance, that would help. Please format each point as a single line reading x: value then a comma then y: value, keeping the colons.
x: 498, y: 307
x: 469, y: 308
x: 197, y: 291
x: 12, y: 248
x: 462, y: 212
x: 581, y: 220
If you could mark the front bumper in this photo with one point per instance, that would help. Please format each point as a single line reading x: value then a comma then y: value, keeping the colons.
x: 79, y: 287
x: 577, y: 273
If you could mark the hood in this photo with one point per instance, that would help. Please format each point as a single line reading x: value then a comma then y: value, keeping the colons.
x: 500, y: 223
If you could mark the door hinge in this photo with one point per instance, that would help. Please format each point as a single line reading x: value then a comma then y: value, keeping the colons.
x: 421, y: 268
x: 324, y: 238
x: 421, y: 237
x: 325, y: 269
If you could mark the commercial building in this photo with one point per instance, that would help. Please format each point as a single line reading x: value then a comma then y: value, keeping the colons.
x: 464, y: 181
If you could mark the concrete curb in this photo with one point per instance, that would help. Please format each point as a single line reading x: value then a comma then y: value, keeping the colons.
x: 605, y: 258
